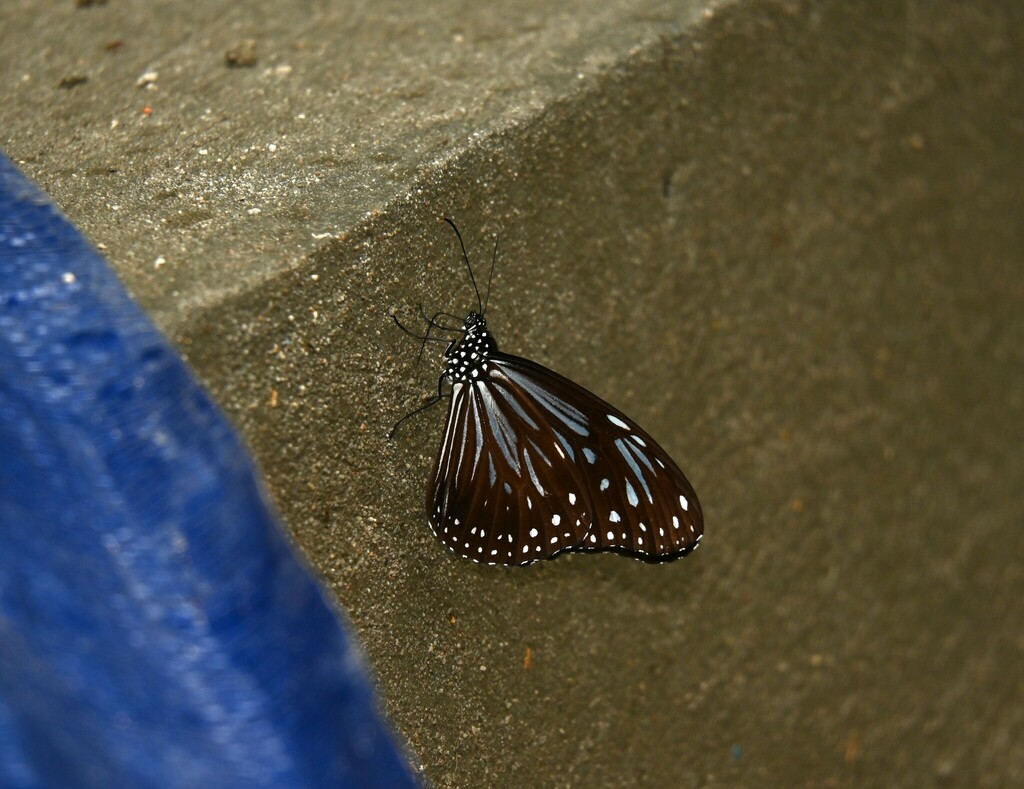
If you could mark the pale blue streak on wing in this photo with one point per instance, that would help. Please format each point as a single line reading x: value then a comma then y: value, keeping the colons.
x: 533, y: 474
x: 639, y: 453
x: 479, y: 436
x: 643, y: 457
x: 460, y: 456
x: 628, y: 457
x: 572, y: 417
x: 507, y: 397
x: 500, y: 428
x: 539, y: 451
x: 565, y: 445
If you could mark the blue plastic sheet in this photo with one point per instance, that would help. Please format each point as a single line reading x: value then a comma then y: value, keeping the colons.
x: 156, y: 627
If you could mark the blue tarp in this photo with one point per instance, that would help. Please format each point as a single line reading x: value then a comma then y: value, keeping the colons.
x: 156, y: 627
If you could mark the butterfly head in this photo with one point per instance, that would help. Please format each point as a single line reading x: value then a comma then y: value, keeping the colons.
x: 474, y: 322
x: 468, y: 357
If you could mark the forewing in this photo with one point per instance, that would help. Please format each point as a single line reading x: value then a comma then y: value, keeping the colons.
x: 503, y: 490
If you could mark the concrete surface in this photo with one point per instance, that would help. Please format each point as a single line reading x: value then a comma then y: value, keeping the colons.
x: 785, y: 236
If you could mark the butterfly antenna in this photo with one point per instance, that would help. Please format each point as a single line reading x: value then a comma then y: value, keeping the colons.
x: 479, y: 302
x: 490, y: 275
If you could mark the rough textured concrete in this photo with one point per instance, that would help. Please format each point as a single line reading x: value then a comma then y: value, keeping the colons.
x: 786, y: 237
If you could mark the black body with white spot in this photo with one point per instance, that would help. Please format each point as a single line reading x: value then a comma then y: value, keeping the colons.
x: 532, y: 465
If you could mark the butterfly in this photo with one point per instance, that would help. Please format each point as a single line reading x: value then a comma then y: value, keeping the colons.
x: 533, y: 465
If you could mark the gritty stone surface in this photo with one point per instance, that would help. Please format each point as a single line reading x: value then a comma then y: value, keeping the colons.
x: 784, y: 236
x: 202, y: 180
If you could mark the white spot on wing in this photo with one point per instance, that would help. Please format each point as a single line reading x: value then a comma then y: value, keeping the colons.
x: 614, y: 517
x: 616, y: 421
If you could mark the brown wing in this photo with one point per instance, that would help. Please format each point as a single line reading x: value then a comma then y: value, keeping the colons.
x: 532, y: 465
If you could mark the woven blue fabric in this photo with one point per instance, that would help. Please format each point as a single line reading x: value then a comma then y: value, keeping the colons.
x: 156, y: 627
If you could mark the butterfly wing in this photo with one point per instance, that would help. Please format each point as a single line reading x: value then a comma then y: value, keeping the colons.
x: 492, y: 496
x: 532, y: 465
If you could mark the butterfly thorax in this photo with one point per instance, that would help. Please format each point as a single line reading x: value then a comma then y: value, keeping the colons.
x: 469, y: 355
